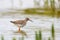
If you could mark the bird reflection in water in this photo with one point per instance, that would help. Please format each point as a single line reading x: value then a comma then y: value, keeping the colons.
x: 22, y: 32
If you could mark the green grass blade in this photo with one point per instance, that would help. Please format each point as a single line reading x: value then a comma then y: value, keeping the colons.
x: 49, y: 38
x: 2, y: 38
x: 40, y: 35
x: 53, y: 32
x: 36, y: 36
x: 14, y: 38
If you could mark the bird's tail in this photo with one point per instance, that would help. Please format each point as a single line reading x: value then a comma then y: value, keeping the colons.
x: 12, y: 21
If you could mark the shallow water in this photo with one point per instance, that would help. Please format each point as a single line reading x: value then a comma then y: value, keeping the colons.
x: 43, y: 23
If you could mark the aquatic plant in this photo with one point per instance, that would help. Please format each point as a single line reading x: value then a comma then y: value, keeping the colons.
x: 38, y: 35
x: 49, y: 38
x: 53, y: 32
x: 13, y: 38
x: 2, y: 37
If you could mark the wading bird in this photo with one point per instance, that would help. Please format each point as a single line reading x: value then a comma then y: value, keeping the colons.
x: 21, y: 23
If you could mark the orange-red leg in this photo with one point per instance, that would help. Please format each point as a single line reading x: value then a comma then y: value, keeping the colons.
x: 19, y: 29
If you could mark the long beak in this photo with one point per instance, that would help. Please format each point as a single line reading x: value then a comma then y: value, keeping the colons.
x: 31, y: 20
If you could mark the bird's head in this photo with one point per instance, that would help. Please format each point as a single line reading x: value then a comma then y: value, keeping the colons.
x: 28, y: 19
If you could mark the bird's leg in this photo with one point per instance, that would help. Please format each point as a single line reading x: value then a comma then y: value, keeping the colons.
x: 19, y: 29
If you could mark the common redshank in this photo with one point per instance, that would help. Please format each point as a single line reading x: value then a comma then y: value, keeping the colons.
x: 20, y: 23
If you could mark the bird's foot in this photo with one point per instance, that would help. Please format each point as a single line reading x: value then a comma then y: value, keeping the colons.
x: 19, y: 31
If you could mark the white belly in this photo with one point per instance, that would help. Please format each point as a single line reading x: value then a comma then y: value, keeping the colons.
x: 19, y: 25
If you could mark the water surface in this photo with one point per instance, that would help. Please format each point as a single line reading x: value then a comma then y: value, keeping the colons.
x: 40, y: 22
